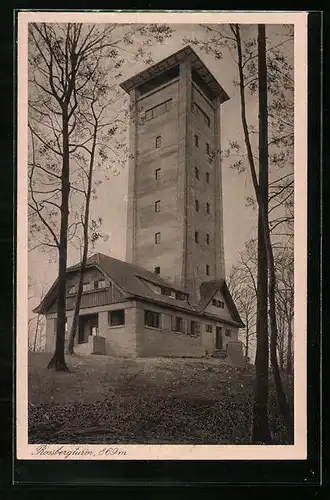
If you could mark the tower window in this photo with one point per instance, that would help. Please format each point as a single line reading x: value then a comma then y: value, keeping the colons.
x: 207, y: 236
x: 157, y: 270
x: 196, y: 173
x: 157, y: 174
x: 196, y: 141
x: 196, y: 236
x: 157, y: 238
x: 207, y: 148
x: 197, y: 205
x: 158, y: 110
x: 207, y: 270
x: 207, y: 177
x: 157, y: 206
x: 198, y: 111
x: 158, y: 141
x: 208, y: 208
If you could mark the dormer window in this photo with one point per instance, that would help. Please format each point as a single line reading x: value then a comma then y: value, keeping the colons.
x: 157, y: 270
x: 86, y: 286
x: 218, y: 303
x: 102, y: 284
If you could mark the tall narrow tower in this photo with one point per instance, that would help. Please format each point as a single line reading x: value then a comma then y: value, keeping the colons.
x: 175, y: 219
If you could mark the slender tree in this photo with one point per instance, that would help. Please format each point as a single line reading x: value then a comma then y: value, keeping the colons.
x: 260, y: 428
x: 64, y: 60
x: 279, y: 84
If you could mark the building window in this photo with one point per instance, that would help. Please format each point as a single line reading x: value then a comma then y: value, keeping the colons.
x: 218, y: 303
x: 180, y: 296
x: 96, y: 284
x: 158, y: 110
x: 207, y: 148
x: 86, y: 286
x: 157, y: 238
x: 207, y: 237
x: 207, y: 177
x: 157, y: 206
x: 197, y: 205
x: 196, y: 236
x: 152, y: 319
x: 197, y: 110
x: 227, y: 333
x: 166, y: 291
x: 157, y: 270
x: 196, y: 141
x: 196, y: 173
x: 207, y: 270
x: 157, y: 174
x: 209, y: 328
x: 72, y: 289
x: 158, y: 141
x: 194, y: 328
x: 178, y: 324
x: 116, y: 318
x: 208, y: 210
x: 102, y: 284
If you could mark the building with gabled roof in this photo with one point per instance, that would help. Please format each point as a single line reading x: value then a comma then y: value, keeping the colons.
x: 169, y: 297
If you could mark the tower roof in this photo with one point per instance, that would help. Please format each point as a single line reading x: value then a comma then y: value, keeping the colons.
x: 172, y: 61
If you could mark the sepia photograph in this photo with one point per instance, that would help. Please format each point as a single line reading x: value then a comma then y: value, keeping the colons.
x: 158, y: 172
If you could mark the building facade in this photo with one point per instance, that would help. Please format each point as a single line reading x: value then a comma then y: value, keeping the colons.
x: 169, y: 296
x: 174, y: 223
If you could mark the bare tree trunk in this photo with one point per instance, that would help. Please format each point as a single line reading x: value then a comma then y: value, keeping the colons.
x: 263, y: 124
x: 260, y: 430
x: 247, y: 334
x: 289, y: 350
x: 36, y: 333
x: 74, y: 327
x: 58, y: 362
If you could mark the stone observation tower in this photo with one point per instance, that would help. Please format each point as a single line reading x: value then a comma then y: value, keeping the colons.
x: 175, y: 214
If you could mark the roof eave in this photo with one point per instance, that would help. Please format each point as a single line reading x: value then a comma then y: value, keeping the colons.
x: 173, y: 60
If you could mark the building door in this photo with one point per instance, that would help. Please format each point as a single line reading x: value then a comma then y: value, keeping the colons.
x: 218, y: 337
x: 88, y: 325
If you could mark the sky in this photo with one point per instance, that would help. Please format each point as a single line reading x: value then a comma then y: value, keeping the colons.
x: 239, y: 220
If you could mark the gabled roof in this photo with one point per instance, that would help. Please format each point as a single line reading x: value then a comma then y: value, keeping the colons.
x: 133, y: 281
x: 171, y: 61
x: 129, y: 278
x: 208, y: 290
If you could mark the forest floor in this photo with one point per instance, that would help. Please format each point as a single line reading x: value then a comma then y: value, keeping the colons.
x: 140, y: 401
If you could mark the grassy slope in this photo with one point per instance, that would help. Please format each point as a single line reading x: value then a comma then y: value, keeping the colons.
x: 106, y: 400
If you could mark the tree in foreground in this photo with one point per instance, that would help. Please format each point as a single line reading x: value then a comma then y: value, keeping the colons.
x: 244, y: 52
x: 65, y: 90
